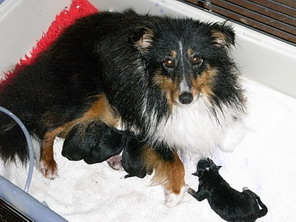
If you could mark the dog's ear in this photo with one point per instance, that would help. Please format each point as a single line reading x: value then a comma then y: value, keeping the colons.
x: 141, y: 38
x: 211, y: 163
x: 213, y: 166
x: 200, y: 173
x: 222, y: 35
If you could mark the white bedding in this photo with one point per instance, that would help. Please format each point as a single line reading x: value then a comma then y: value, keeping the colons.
x: 263, y: 160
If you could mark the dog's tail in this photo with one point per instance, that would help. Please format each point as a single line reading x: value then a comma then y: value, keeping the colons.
x: 12, y: 140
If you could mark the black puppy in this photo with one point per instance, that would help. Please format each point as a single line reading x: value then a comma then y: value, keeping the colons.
x: 100, y: 142
x: 133, y: 161
x: 93, y: 142
x: 227, y: 202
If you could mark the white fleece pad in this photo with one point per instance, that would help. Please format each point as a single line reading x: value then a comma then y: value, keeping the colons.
x: 263, y: 159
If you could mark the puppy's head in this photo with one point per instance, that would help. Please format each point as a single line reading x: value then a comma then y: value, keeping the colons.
x: 206, y: 165
x: 185, y: 59
x: 133, y: 157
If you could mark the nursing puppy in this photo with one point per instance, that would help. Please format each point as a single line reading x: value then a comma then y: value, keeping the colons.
x: 93, y: 142
x: 133, y: 158
x: 169, y: 81
x: 227, y: 202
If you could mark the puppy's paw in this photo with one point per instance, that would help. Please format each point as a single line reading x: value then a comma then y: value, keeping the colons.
x: 115, y: 162
x: 49, y: 169
x: 173, y: 199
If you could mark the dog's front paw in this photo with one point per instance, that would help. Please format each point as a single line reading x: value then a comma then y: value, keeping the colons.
x: 172, y: 198
x: 49, y: 169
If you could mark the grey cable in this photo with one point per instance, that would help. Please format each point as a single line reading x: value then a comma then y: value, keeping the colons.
x: 30, y: 146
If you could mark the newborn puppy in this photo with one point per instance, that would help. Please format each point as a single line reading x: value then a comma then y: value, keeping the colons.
x: 94, y: 142
x: 133, y: 157
x: 227, y: 202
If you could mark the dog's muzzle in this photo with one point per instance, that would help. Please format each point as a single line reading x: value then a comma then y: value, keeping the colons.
x: 186, y: 98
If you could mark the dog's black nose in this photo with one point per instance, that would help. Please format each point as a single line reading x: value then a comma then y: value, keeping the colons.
x: 186, y: 98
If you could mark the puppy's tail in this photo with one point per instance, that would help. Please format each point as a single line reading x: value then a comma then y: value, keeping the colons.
x: 12, y: 140
x: 263, y: 211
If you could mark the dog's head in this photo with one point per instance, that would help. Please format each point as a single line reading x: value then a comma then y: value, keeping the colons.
x: 206, y: 165
x: 186, y: 59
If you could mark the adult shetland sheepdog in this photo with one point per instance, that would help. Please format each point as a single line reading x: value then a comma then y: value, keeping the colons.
x: 169, y: 81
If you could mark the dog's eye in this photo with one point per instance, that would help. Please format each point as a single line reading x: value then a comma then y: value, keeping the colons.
x: 169, y: 63
x: 196, y: 60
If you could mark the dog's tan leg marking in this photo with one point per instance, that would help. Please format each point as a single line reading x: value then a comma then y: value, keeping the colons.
x: 48, y: 166
x: 100, y: 110
x: 168, y: 173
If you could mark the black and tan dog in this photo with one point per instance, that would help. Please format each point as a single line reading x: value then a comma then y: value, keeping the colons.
x: 169, y: 81
x: 227, y: 202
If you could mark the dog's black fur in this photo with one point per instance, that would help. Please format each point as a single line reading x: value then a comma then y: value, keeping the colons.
x: 227, y: 202
x: 163, y: 79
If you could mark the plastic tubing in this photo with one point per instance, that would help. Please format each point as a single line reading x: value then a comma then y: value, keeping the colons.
x: 30, y: 146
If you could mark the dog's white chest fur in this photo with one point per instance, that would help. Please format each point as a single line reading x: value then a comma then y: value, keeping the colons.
x: 193, y: 129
